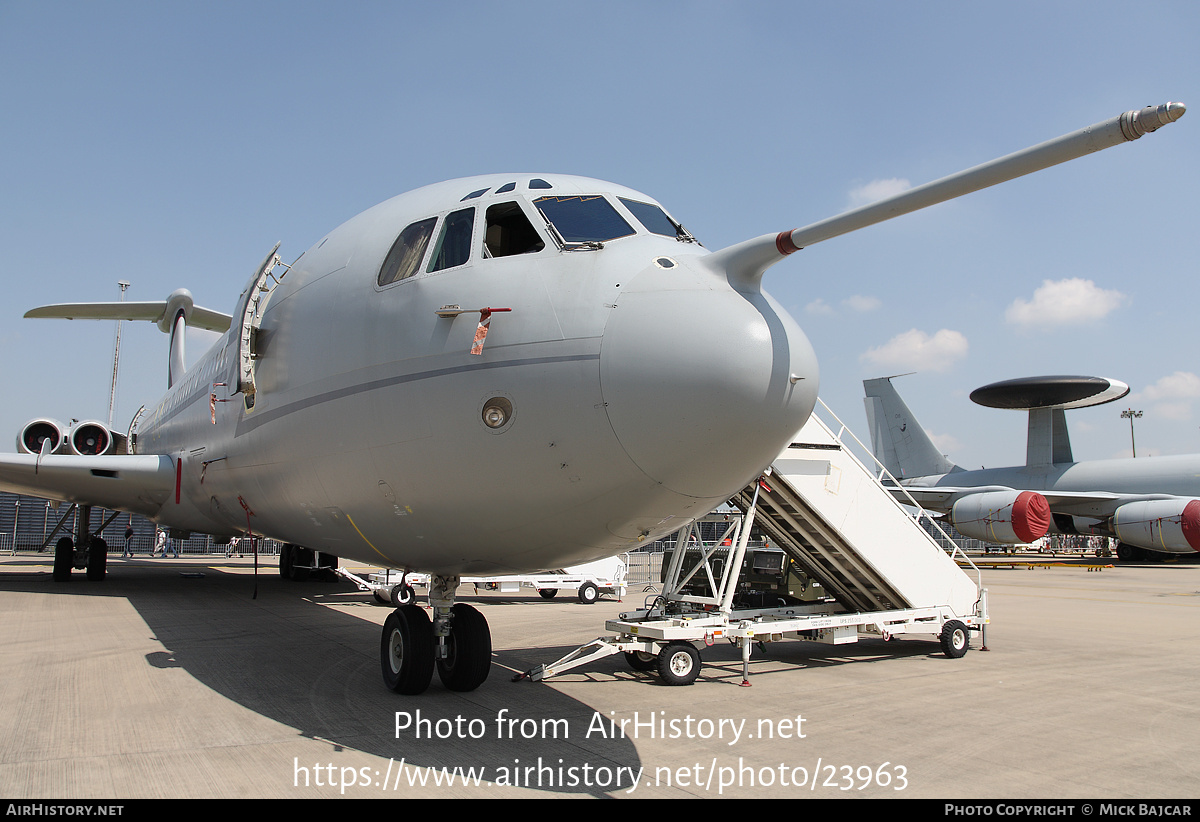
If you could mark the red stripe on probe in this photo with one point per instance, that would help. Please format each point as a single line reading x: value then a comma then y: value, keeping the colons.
x: 784, y: 244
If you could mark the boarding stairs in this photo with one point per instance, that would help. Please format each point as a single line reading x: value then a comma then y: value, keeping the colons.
x: 881, y: 571
x: 836, y: 520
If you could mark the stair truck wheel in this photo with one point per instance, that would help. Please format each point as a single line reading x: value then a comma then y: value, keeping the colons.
x: 955, y: 638
x: 679, y: 663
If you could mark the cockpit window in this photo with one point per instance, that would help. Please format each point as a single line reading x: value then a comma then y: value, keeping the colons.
x: 584, y: 219
x: 454, y: 245
x: 652, y: 217
x: 509, y: 232
x: 405, y: 257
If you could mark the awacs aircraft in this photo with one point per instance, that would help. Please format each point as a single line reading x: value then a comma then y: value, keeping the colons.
x: 495, y: 374
x: 1150, y: 505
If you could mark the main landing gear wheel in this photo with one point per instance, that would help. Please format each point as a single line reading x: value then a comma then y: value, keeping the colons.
x: 1128, y: 552
x: 64, y: 559
x: 406, y: 650
x: 285, y: 560
x: 468, y: 657
x: 955, y: 638
x: 679, y: 663
x: 97, y: 559
x: 588, y: 593
x: 641, y: 661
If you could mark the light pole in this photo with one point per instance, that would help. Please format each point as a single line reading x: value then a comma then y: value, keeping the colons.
x: 1131, y: 415
x: 112, y: 394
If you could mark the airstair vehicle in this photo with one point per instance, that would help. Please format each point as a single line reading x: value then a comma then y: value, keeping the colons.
x: 857, y: 563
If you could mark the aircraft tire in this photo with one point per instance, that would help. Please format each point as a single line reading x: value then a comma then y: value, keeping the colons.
x: 469, y: 650
x: 406, y: 650
x: 97, y: 559
x: 285, y: 560
x: 678, y: 663
x: 641, y: 661
x: 1127, y: 552
x: 64, y: 559
x: 588, y: 593
x: 955, y: 639
x: 300, y: 557
x: 548, y: 593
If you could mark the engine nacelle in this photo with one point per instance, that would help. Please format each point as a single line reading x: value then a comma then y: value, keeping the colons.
x: 1159, y: 524
x: 1006, y: 517
x: 90, y: 438
x: 34, y: 432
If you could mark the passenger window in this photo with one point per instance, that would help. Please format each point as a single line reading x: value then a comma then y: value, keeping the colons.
x: 407, y: 252
x: 454, y: 245
x: 509, y: 232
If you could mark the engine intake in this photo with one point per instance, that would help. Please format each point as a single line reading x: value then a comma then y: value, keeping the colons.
x: 90, y: 439
x: 35, y: 432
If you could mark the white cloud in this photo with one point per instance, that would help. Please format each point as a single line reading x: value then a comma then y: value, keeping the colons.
x: 819, y: 306
x: 861, y: 303
x: 1172, y: 395
x: 918, y: 351
x: 877, y: 190
x: 947, y: 444
x: 1181, y: 384
x: 1072, y: 301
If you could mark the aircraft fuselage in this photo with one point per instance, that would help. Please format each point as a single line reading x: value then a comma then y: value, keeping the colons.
x: 642, y: 391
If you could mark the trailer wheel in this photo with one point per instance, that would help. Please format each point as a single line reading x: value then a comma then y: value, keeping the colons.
x: 956, y: 639
x: 548, y: 593
x: 641, y: 660
x: 468, y: 657
x: 679, y: 663
x: 64, y: 559
x: 402, y: 594
x: 406, y: 650
x: 588, y: 593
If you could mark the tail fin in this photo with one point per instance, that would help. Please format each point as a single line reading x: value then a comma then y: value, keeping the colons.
x: 898, y: 440
x: 171, y: 315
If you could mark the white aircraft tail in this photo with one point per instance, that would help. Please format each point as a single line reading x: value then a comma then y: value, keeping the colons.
x: 170, y: 314
x: 897, y: 439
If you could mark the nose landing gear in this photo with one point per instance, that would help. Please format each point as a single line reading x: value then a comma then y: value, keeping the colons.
x: 457, y: 642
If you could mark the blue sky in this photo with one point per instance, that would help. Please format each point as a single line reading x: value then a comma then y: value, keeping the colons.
x: 172, y: 144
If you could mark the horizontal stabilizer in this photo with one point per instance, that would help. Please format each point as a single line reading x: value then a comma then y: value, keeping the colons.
x: 156, y: 312
x: 135, y: 483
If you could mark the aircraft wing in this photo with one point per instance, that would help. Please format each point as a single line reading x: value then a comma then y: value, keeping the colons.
x: 139, y: 484
x: 1076, y: 503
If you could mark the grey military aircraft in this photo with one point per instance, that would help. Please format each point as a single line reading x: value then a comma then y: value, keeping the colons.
x: 495, y: 374
x: 1151, y: 505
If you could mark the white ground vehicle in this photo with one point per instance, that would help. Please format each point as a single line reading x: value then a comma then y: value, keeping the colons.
x: 588, y: 582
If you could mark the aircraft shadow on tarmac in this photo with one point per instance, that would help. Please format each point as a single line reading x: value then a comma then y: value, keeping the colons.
x: 316, y: 669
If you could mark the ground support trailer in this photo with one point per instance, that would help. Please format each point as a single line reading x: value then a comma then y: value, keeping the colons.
x: 877, y: 569
x: 589, y: 582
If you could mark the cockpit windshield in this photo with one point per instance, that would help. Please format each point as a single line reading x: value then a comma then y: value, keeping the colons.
x: 654, y: 219
x: 583, y: 219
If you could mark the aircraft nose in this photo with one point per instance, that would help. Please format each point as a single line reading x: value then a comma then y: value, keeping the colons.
x: 703, y: 385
